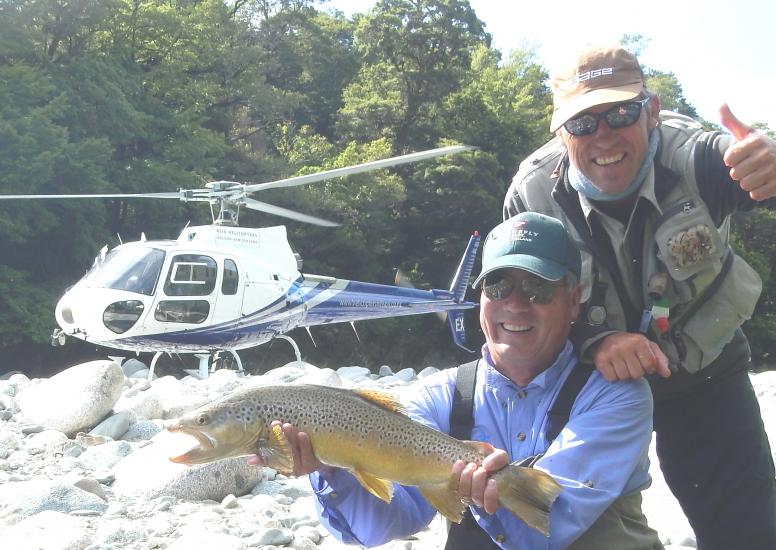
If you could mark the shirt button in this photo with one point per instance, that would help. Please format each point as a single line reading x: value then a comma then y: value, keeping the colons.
x: 521, y: 436
x: 500, y: 538
x: 522, y: 394
x: 333, y: 494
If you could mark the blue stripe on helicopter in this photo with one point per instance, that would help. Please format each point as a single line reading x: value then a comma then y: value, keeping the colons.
x: 356, y: 301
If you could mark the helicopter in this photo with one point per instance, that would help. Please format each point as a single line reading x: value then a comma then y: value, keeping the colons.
x: 221, y: 288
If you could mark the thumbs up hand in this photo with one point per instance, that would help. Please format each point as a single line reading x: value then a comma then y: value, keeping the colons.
x: 751, y: 159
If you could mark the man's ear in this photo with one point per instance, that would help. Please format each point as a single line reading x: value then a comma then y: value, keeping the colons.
x: 654, y: 111
x: 562, y: 136
x: 574, y: 301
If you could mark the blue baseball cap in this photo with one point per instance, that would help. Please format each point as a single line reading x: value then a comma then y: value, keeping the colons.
x: 533, y: 242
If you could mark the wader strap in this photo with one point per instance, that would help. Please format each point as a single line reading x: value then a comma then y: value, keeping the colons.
x: 466, y: 535
x: 561, y: 408
x: 462, y: 411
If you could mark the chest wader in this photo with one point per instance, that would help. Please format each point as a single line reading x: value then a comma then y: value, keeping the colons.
x: 468, y: 535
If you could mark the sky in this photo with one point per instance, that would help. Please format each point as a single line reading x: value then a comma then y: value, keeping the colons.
x: 720, y: 50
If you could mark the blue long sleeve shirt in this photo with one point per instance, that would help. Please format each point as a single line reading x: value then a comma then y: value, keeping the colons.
x: 600, y: 455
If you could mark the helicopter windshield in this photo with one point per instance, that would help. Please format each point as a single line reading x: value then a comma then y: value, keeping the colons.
x: 133, y: 269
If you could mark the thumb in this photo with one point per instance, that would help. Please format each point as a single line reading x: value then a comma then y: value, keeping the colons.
x: 731, y: 122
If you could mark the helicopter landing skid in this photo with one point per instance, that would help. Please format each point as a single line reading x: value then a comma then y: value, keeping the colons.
x: 205, y: 364
x: 291, y: 341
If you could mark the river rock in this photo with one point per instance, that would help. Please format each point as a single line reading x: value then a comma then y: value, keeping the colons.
x: 74, y: 400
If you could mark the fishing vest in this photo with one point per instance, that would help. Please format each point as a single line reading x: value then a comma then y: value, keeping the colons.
x: 698, y: 290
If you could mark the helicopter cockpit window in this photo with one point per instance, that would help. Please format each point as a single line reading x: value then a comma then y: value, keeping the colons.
x: 191, y: 275
x: 133, y: 269
x: 231, y: 278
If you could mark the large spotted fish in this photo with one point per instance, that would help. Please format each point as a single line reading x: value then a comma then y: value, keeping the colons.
x: 365, y: 432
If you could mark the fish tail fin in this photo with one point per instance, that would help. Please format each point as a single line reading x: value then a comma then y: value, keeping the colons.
x: 528, y: 494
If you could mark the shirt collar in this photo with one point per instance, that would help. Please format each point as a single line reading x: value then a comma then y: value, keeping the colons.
x: 646, y: 190
x: 545, y: 379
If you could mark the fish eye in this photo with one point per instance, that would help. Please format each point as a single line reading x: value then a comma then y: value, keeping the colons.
x: 202, y: 419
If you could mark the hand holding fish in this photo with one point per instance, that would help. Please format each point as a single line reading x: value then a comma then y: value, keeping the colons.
x: 475, y: 483
x: 751, y: 159
x: 305, y: 461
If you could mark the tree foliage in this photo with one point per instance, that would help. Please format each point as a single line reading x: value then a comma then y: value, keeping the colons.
x: 133, y: 96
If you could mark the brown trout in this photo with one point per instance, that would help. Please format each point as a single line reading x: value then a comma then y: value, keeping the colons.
x: 364, y: 431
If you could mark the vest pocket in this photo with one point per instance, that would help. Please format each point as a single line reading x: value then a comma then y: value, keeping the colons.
x: 712, y: 326
x: 687, y: 240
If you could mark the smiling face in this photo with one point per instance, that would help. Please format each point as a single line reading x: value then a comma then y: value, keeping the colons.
x: 610, y: 158
x: 523, y: 337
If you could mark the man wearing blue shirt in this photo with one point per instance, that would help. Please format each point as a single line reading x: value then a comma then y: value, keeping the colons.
x: 530, y: 298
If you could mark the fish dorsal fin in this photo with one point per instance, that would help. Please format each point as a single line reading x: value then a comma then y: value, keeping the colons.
x: 381, y: 488
x: 445, y: 499
x: 381, y: 399
x: 275, y: 451
x: 481, y: 447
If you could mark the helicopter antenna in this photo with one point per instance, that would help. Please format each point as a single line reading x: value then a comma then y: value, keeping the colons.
x: 311, y: 336
x: 352, y: 324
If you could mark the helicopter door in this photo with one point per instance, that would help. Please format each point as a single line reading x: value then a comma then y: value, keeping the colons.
x: 229, y: 301
x: 262, y: 288
x: 187, y: 297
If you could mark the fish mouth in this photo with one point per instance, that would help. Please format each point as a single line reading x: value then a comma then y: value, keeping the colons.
x: 205, y: 447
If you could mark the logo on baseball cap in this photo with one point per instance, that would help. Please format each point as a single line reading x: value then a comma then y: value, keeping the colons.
x: 600, y: 74
x: 533, y: 242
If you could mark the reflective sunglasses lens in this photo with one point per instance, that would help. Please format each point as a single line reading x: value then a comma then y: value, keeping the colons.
x: 618, y: 116
x: 538, y: 291
x: 582, y: 126
x: 497, y: 287
x: 623, y: 115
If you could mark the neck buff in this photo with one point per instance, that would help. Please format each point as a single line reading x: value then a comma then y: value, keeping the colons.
x: 582, y: 184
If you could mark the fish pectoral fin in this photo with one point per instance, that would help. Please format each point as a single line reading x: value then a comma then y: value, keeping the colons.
x: 381, y: 488
x: 275, y: 451
x: 445, y: 499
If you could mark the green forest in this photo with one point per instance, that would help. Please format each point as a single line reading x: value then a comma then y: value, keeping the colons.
x: 145, y: 96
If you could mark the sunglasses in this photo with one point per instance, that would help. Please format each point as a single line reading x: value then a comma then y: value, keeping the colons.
x: 498, y: 286
x: 619, y: 116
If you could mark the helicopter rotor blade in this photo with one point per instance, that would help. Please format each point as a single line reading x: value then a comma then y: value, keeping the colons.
x: 286, y: 213
x: 175, y: 195
x: 358, y: 168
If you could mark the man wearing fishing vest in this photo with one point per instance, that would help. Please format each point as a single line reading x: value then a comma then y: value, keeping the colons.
x: 598, y: 454
x: 648, y: 195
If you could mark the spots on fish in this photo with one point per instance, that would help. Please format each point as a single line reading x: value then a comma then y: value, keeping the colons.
x: 332, y: 411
